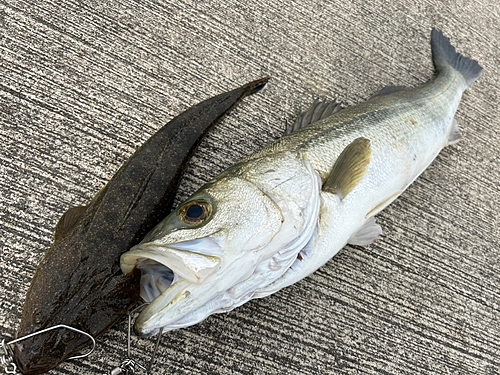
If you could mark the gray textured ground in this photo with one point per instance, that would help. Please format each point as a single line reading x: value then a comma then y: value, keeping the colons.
x: 84, y: 83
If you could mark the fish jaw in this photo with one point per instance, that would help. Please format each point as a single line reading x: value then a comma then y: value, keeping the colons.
x: 203, y: 282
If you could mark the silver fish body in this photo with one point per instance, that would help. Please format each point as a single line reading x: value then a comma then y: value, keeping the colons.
x: 280, y: 214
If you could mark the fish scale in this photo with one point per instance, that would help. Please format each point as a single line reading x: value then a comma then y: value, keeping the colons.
x: 381, y: 119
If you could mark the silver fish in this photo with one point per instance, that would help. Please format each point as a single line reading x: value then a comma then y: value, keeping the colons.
x: 277, y: 216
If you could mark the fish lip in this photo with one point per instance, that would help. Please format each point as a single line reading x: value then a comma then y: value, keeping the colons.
x: 141, y: 333
x: 147, y: 322
x: 189, y: 262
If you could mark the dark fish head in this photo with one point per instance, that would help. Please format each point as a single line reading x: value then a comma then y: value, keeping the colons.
x: 72, y: 291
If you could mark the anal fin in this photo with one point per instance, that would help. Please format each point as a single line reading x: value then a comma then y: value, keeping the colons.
x: 455, y: 134
x: 367, y: 234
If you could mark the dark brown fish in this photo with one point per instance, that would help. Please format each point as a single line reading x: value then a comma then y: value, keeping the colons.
x: 79, y: 282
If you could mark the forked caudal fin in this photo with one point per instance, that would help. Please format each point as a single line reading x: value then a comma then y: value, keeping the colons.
x: 444, y: 54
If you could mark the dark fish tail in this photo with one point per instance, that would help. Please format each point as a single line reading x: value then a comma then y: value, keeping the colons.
x: 444, y: 54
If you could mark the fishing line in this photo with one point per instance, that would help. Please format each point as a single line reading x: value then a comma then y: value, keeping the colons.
x: 7, y: 356
x: 128, y: 364
x: 154, y: 351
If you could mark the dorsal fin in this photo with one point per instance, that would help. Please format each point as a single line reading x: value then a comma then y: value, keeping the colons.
x: 390, y: 89
x: 68, y: 221
x: 349, y: 168
x: 319, y: 110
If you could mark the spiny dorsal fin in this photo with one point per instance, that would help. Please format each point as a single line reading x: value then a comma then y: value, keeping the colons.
x: 390, y: 89
x: 68, y: 221
x: 318, y: 111
x: 349, y: 168
x: 367, y: 234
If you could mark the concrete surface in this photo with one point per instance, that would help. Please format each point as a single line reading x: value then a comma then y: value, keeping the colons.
x: 84, y: 83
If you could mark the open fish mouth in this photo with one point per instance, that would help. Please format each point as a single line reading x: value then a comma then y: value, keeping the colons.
x: 155, y: 278
x: 186, y: 264
x: 169, y: 272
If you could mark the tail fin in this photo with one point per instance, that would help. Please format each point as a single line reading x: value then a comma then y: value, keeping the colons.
x: 444, y: 54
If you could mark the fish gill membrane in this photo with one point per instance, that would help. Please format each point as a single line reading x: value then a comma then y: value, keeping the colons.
x: 79, y: 283
x: 277, y: 216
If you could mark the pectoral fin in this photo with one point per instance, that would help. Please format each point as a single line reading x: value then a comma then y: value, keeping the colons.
x: 68, y: 221
x: 367, y: 234
x: 349, y: 169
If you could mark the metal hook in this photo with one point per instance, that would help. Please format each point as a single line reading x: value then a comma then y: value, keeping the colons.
x: 7, y: 357
x: 56, y: 327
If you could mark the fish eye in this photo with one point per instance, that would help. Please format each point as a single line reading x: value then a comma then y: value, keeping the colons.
x: 37, y: 317
x: 195, y: 212
x: 68, y: 337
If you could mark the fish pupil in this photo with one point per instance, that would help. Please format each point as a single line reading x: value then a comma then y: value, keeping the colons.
x: 194, y: 212
x: 37, y: 317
